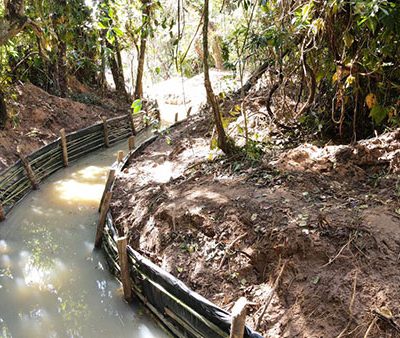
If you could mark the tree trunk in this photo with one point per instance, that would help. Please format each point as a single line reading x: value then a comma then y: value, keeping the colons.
x: 102, y: 75
x: 142, y: 53
x: 3, y: 112
x: 223, y: 142
x: 62, y: 68
x: 14, y: 20
x: 117, y: 68
x: 140, y: 69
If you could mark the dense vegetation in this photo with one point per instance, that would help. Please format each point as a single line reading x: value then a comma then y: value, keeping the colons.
x: 331, y: 67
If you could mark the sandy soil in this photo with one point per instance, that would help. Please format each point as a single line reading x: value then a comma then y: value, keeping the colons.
x: 39, y: 117
x: 179, y: 94
x: 328, y: 218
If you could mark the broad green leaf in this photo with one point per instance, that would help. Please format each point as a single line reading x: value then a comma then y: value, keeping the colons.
x: 348, y: 39
x: 101, y: 25
x: 378, y: 114
x: 118, y: 31
x: 137, y: 106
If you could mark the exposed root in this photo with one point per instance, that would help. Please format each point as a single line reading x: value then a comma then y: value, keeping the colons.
x: 271, y: 295
x: 331, y: 260
x: 353, y: 296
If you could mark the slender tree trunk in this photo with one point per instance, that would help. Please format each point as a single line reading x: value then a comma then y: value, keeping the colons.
x: 140, y: 69
x: 14, y: 20
x: 102, y: 76
x: 142, y: 53
x: 223, y: 142
x: 3, y: 112
x: 217, y: 51
x: 62, y: 68
x: 117, y: 71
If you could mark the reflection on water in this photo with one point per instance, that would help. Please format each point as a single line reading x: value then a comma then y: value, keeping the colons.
x: 51, y: 282
x: 84, y: 186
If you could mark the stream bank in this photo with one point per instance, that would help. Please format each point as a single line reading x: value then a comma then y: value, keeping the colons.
x: 227, y: 227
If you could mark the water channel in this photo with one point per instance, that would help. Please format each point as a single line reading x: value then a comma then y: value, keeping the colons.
x: 52, y: 283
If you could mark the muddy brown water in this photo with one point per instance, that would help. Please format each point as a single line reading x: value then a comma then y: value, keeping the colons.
x: 52, y: 283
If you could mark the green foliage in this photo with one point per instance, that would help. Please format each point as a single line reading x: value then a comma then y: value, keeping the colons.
x: 253, y: 150
x: 137, y: 106
x: 378, y: 113
x: 350, y: 46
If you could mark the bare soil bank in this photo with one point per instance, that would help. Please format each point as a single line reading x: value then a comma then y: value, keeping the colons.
x: 39, y: 116
x: 329, y: 218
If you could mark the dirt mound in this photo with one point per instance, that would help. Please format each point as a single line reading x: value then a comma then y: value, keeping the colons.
x: 227, y: 229
x: 365, y: 156
x: 37, y: 118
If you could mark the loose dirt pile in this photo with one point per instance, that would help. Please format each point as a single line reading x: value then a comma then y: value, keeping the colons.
x: 327, y: 218
x: 39, y: 116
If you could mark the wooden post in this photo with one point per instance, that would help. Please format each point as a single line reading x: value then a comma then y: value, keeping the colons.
x: 107, y: 188
x: 146, y: 123
x: 28, y: 170
x: 238, y: 318
x: 188, y: 112
x: 132, y: 121
x: 106, y: 135
x: 120, y: 156
x: 102, y: 219
x: 124, y: 265
x: 2, y: 213
x: 131, y: 143
x: 176, y: 117
x: 63, y: 140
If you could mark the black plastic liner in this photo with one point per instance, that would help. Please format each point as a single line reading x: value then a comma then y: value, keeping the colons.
x: 185, y: 312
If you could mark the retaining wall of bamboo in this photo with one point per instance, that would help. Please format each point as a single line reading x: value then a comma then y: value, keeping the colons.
x: 16, y: 180
x: 184, y: 312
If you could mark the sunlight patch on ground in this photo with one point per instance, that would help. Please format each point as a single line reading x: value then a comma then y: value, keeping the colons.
x: 163, y: 172
x: 210, y: 195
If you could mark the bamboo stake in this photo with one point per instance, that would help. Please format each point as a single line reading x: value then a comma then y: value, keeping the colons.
x: 188, y: 112
x: 120, y: 156
x: 102, y: 219
x: 64, y: 147
x: 238, y: 318
x: 2, y: 213
x: 176, y: 117
x: 28, y: 170
x: 107, y: 187
x: 131, y: 143
x: 146, y: 119
x: 106, y: 136
x: 132, y: 122
x: 124, y: 266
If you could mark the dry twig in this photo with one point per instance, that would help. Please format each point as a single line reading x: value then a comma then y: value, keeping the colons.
x: 353, y: 296
x: 270, y: 296
x: 331, y: 260
x: 371, y: 325
x: 228, y: 248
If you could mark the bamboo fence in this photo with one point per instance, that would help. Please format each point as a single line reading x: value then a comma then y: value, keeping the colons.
x: 184, y: 312
x: 18, y: 180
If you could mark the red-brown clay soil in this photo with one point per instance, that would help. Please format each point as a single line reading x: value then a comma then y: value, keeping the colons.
x: 330, y: 216
x: 39, y: 116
